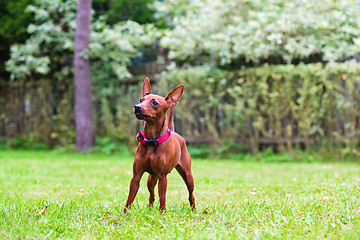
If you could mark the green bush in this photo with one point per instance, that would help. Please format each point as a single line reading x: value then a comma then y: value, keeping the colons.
x: 28, y: 141
x: 199, y: 152
x: 238, y: 32
x: 108, y: 146
x: 285, y: 107
x: 291, y: 106
x: 3, y: 143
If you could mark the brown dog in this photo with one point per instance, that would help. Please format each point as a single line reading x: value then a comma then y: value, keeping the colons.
x: 160, y: 149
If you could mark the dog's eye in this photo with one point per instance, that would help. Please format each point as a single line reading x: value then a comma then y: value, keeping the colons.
x: 155, y: 103
x: 141, y: 100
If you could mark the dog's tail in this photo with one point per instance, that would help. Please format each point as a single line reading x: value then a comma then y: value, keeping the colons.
x: 171, y: 119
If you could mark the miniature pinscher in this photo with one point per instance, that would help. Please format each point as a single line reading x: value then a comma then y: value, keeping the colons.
x: 160, y: 149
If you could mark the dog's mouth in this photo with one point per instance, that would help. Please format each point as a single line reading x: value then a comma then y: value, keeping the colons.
x: 141, y: 116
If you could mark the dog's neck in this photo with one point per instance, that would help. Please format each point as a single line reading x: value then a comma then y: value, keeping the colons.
x: 156, y: 129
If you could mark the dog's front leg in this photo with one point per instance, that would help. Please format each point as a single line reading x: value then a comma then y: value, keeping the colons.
x: 162, y: 192
x: 134, y: 187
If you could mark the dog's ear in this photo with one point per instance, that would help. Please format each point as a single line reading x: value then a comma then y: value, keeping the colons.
x: 174, y: 96
x: 146, y: 87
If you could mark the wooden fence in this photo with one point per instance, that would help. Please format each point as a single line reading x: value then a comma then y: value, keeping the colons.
x: 44, y: 108
x: 36, y: 106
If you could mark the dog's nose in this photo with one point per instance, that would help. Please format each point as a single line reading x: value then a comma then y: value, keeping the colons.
x: 137, y: 108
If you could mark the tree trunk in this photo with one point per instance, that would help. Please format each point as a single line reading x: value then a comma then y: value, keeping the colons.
x: 82, y: 81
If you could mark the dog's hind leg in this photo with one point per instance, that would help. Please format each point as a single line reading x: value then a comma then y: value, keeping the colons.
x: 184, y: 169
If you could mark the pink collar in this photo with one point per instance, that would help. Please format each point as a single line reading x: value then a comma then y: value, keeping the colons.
x: 155, y: 142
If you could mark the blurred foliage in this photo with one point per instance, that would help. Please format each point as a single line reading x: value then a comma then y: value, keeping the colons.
x: 304, y: 106
x: 41, y: 112
x: 121, y: 10
x: 3, y: 143
x: 49, y: 52
x: 14, y: 21
x: 49, y: 49
x: 200, y: 151
x: 268, y: 155
x: 16, y: 16
x: 294, y: 105
x: 240, y: 32
x: 108, y: 145
x: 29, y: 141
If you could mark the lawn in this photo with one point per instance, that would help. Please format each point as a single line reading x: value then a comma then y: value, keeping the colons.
x: 85, y: 195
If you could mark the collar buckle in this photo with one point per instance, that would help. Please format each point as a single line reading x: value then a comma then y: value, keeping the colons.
x: 153, y: 142
x: 139, y: 136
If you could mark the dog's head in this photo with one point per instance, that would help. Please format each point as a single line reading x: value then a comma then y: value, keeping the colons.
x: 151, y: 106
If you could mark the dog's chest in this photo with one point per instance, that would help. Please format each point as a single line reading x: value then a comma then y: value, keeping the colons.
x: 158, y: 161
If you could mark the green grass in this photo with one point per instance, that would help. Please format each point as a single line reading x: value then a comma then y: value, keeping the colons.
x: 85, y: 195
